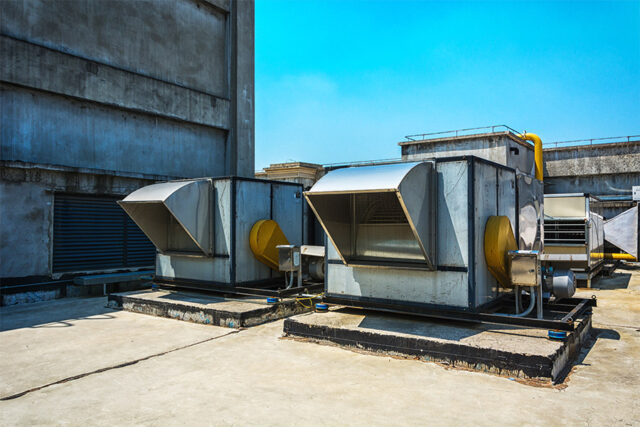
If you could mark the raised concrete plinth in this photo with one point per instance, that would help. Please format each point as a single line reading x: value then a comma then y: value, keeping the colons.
x: 499, y: 349
x: 207, y: 309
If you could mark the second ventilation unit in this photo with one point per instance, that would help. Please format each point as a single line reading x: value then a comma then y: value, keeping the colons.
x: 201, y: 227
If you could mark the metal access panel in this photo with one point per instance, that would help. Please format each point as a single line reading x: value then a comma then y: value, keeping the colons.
x: 467, y: 191
x: 224, y: 214
x: 91, y: 233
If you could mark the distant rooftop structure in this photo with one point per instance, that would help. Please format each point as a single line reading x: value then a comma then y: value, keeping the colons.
x: 300, y: 172
x: 607, y: 167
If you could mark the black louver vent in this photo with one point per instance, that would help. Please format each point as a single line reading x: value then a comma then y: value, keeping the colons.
x: 94, y: 233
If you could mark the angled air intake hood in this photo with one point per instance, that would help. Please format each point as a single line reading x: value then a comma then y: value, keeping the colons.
x: 379, y: 216
x: 175, y: 216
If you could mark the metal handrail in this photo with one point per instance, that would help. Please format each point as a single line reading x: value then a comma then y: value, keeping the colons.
x: 362, y: 163
x: 590, y: 141
x: 457, y: 132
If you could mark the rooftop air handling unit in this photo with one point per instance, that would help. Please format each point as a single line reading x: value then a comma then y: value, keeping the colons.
x: 436, y: 238
x: 202, y: 229
x: 573, y: 234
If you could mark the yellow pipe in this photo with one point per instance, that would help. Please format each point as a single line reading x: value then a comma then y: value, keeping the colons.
x: 537, y: 152
x: 608, y: 255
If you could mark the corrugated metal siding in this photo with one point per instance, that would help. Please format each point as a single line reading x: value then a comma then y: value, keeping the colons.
x: 94, y: 233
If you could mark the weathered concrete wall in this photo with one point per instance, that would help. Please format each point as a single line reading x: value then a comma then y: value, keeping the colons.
x: 39, y: 127
x: 602, y: 169
x: 181, y: 42
x: 172, y: 78
x: 26, y: 210
x: 242, y: 157
x: 608, y: 184
x: 24, y: 248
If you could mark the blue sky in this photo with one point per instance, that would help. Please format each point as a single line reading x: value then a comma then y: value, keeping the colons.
x: 340, y: 81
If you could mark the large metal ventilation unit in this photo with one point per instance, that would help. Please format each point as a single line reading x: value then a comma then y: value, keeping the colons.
x: 441, y: 237
x: 413, y: 232
x: 202, y: 228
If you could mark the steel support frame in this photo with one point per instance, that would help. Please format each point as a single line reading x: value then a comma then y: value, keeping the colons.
x: 560, y: 315
x: 265, y: 289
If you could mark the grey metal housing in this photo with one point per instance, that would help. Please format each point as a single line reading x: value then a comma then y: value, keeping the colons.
x: 468, y: 191
x: 201, y: 227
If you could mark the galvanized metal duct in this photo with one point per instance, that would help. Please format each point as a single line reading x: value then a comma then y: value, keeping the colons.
x: 622, y: 231
x: 175, y: 216
x: 379, y: 215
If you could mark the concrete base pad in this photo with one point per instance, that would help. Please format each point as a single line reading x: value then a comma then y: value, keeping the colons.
x: 207, y: 309
x: 500, y: 349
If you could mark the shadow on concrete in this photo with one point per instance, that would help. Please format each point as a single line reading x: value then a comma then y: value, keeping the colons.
x: 208, y: 299
x: 596, y: 334
x: 445, y: 329
x: 53, y: 314
x: 194, y: 298
x: 608, y: 334
x: 614, y: 281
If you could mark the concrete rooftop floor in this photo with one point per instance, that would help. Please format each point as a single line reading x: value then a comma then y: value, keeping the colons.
x: 128, y: 368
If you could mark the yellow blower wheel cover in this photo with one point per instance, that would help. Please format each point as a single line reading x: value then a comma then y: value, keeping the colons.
x: 264, y: 238
x: 498, y: 241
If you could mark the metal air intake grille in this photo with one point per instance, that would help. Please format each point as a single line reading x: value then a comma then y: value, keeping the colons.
x: 565, y: 232
x: 385, y: 212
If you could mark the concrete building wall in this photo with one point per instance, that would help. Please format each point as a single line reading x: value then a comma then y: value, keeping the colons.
x: 26, y: 209
x: 104, y: 96
x: 601, y: 169
x: 166, y: 85
x: 25, y: 248
x: 38, y: 127
x: 180, y: 42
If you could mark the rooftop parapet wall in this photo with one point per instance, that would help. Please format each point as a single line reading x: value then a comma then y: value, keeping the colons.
x: 610, y: 169
x: 597, y: 159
